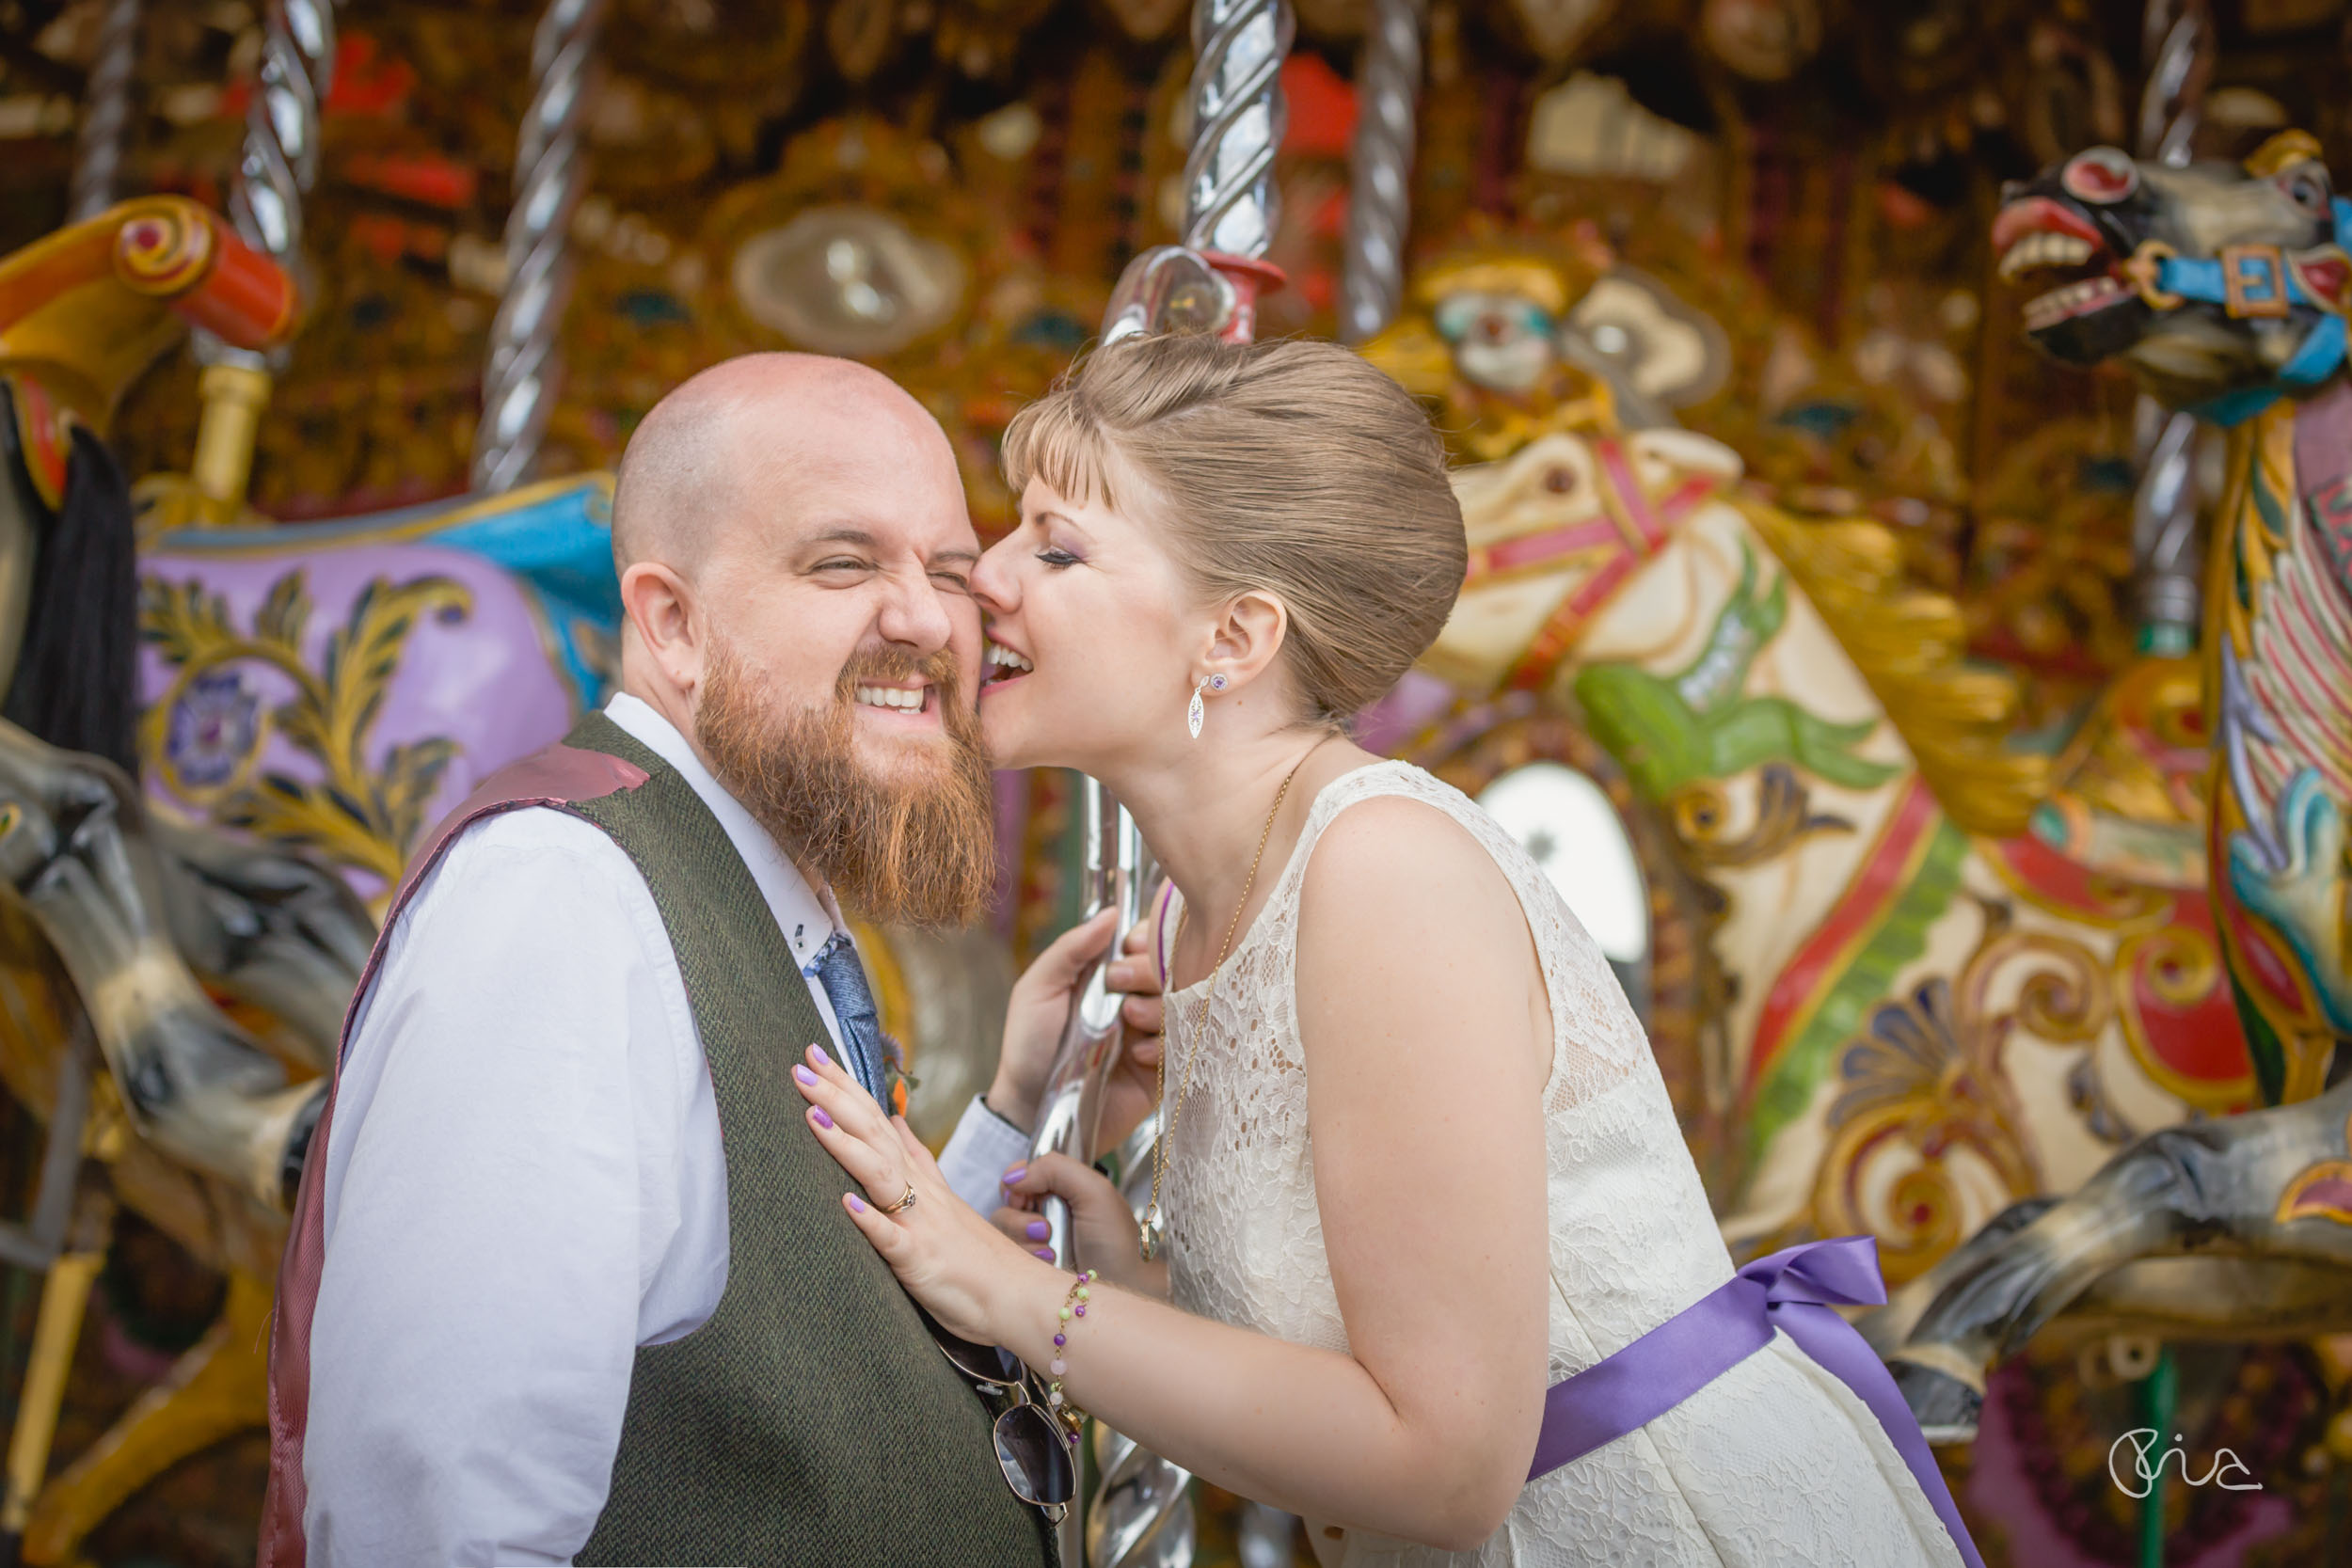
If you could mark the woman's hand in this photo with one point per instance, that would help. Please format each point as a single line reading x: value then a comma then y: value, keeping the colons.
x: 1108, y: 1239
x: 948, y: 1258
x: 1040, y: 1006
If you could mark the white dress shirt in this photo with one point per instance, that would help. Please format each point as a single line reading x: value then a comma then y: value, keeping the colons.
x: 524, y: 1183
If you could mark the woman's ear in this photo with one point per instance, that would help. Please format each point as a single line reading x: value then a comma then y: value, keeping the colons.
x: 1247, y: 636
x: 663, y: 612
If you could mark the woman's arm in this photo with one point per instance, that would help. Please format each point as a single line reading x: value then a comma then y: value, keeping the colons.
x: 1426, y: 1038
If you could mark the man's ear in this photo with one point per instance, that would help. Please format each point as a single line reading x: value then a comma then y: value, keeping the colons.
x: 662, y: 611
x: 1247, y: 636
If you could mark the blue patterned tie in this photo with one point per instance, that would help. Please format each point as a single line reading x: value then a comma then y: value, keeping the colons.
x: 843, y: 976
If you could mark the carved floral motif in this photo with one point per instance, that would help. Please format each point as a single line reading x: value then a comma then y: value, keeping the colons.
x: 208, y: 728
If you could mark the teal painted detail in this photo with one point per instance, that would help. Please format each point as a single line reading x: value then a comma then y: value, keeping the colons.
x: 2320, y: 356
x: 561, y: 551
x: 2274, y: 519
x: 2303, y: 899
x: 2158, y: 1402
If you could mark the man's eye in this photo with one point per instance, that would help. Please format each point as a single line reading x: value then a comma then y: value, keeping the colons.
x: 956, y: 580
x: 1058, y: 559
x: 842, y: 563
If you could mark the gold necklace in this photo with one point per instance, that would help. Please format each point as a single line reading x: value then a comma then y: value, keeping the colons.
x: 1152, y: 1221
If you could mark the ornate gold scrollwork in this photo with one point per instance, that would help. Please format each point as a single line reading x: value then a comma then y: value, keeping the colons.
x: 1927, y: 1140
x: 162, y: 252
x: 358, y: 816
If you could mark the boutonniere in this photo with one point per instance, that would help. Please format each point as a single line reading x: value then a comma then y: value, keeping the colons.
x: 897, y: 1080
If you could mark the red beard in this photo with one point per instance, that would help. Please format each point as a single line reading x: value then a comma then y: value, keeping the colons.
x: 916, y: 845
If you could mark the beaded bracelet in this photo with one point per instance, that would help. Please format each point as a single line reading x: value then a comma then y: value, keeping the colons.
x: 1073, y: 1306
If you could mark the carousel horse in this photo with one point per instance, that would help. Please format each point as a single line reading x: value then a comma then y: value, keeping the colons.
x: 121, y: 937
x: 1927, y: 1011
x: 81, y: 312
x: 2225, y: 289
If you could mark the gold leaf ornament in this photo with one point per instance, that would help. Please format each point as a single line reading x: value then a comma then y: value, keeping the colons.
x: 357, y: 816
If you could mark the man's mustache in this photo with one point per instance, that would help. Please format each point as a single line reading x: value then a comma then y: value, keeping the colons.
x: 870, y: 666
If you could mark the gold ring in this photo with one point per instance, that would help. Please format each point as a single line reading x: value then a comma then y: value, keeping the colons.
x: 906, y: 1202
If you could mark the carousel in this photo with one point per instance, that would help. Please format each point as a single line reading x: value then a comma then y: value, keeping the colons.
x: 1907, y: 454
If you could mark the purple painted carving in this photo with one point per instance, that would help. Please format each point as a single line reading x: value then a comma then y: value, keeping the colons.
x: 2323, y: 471
x: 339, y: 699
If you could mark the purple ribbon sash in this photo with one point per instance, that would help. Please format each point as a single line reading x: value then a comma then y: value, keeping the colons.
x: 1790, y: 1291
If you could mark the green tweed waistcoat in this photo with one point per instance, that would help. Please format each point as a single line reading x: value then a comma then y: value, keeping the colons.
x: 812, y: 1420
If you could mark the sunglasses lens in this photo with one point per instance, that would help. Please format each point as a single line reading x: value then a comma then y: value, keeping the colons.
x: 1034, y: 1459
x: 1029, y: 1446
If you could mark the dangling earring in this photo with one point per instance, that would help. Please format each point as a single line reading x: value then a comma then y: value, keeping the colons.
x: 1197, y: 713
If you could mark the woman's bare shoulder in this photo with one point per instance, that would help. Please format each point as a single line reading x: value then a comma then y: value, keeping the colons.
x: 1391, y: 823
x: 1414, y: 957
x: 1396, y: 871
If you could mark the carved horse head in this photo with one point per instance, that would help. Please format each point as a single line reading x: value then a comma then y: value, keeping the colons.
x: 2222, y: 286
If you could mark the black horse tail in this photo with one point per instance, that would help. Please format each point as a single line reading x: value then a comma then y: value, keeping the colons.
x: 76, y: 683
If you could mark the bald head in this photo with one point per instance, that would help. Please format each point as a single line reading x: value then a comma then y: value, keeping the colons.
x: 740, y: 428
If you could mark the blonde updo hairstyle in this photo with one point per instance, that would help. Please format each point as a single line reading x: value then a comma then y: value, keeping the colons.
x: 1293, y: 467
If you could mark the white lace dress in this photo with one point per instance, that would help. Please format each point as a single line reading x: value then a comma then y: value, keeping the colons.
x: 1775, y: 1462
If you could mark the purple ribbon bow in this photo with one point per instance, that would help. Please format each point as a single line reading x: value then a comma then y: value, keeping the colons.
x: 1793, y: 1290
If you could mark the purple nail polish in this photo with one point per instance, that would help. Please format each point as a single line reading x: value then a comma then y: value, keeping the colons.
x: 817, y: 1115
x: 1015, y: 1174
x: 857, y: 1203
x: 1045, y: 1252
x: 1039, y: 1230
x: 818, y: 1052
x: 803, y: 1075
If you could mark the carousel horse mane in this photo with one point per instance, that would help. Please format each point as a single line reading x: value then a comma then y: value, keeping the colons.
x: 1909, y: 644
x: 76, y: 675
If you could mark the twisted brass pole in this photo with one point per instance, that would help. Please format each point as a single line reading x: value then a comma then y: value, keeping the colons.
x: 277, y: 166
x: 2179, y: 42
x: 1380, y: 170
x: 106, y: 116
x: 1231, y: 203
x: 1140, y: 1514
x: 518, y: 386
x: 280, y: 158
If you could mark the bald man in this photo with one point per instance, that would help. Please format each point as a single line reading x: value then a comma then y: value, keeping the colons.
x: 568, y: 1278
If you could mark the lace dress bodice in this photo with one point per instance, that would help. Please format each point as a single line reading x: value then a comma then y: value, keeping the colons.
x: 1757, y: 1467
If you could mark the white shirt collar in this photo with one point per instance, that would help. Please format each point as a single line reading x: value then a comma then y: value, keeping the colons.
x: 807, y: 915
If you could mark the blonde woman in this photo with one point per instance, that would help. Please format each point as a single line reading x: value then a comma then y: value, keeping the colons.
x: 1421, y: 1170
